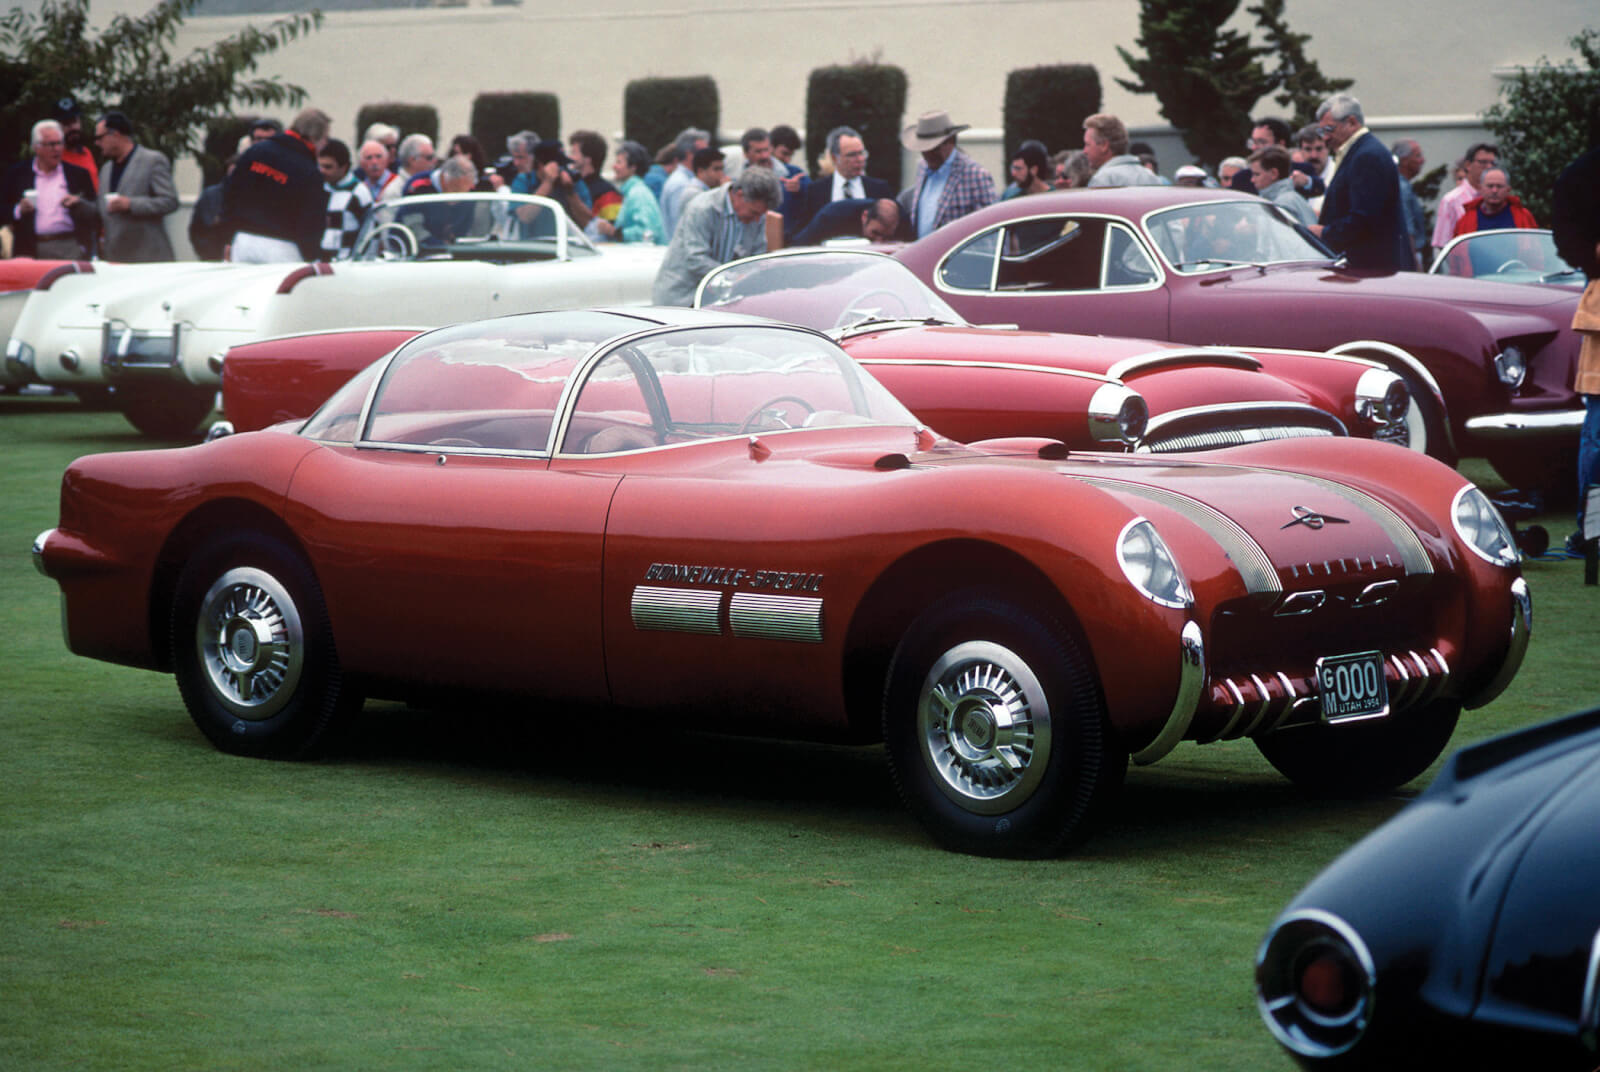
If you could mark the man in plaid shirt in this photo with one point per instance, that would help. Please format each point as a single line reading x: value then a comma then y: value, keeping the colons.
x: 949, y: 183
x: 348, y: 201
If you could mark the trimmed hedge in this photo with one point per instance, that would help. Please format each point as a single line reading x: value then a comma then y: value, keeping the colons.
x: 497, y: 116
x: 655, y: 109
x: 1050, y: 103
x: 870, y: 97
x: 410, y: 118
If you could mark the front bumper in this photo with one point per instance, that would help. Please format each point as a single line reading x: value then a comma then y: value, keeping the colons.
x: 1534, y: 425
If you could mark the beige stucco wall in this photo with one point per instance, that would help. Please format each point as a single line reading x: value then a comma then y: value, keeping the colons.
x: 1421, y: 69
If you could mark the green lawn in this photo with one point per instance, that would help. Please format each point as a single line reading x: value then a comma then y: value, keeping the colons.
x: 456, y: 893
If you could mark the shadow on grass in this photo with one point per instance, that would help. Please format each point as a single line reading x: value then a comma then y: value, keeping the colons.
x: 1204, y: 800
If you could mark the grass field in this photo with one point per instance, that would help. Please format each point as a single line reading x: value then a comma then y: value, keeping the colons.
x: 456, y: 893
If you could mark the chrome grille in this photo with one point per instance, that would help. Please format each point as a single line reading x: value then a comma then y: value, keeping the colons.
x: 1211, y: 438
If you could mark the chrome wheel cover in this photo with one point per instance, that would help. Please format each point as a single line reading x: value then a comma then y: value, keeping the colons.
x: 250, y: 643
x: 984, y: 726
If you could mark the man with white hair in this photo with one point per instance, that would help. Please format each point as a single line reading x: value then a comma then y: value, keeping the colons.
x: 49, y: 204
x: 1361, y: 212
x: 718, y: 226
x: 372, y: 165
x: 416, y: 156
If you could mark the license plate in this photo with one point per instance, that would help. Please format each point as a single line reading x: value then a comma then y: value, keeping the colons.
x: 1352, y: 686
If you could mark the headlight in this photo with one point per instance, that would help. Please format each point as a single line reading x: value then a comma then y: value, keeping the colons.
x: 19, y: 359
x: 1149, y: 565
x: 1314, y: 982
x: 1382, y: 397
x: 1118, y: 414
x: 1484, y: 530
x: 1511, y: 366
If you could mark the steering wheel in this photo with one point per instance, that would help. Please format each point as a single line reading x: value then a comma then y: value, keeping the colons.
x: 1512, y: 263
x: 766, y: 407
x: 395, y: 242
x: 854, y: 312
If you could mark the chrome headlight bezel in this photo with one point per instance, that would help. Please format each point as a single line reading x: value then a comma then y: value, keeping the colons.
x: 1482, y: 529
x: 1295, y: 944
x: 1118, y: 414
x: 1382, y: 397
x: 1151, y: 567
x: 1511, y: 366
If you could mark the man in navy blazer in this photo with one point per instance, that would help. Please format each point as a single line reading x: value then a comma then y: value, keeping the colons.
x: 849, y: 155
x: 1361, y: 214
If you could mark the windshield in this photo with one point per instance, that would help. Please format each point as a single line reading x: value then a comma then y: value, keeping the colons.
x: 1510, y: 256
x: 492, y: 227
x: 1216, y: 234
x: 708, y: 383
x: 824, y: 290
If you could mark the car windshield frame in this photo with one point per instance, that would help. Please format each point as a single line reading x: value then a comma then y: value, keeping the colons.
x: 795, y: 285
x: 1155, y: 227
x: 1555, y: 270
x: 434, y: 420
x: 515, y: 228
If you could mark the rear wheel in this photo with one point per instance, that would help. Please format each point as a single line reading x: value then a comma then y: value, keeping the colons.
x: 995, y: 730
x: 1371, y: 756
x: 253, y: 650
x: 167, y: 411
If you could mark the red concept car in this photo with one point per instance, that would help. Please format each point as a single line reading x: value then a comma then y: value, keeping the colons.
x: 982, y: 382
x: 727, y: 523
x: 1216, y: 267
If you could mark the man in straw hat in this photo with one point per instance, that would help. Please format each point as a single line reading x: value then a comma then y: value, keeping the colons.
x: 949, y: 183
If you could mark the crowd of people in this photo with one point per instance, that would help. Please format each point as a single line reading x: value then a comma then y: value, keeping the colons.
x: 298, y: 194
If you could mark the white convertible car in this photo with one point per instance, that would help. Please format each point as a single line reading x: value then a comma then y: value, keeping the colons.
x: 156, y: 335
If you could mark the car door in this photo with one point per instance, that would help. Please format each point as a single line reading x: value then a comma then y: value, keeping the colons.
x: 1058, y: 272
x: 459, y: 569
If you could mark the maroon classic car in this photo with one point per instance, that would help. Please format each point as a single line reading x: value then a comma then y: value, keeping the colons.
x: 1215, y: 267
x: 725, y: 522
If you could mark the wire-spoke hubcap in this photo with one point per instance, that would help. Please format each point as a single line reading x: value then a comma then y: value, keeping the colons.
x: 984, y: 724
x: 250, y: 643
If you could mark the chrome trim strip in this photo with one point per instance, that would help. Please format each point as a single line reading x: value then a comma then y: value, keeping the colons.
x: 1518, y: 425
x: 1239, y: 712
x: 1140, y: 239
x: 776, y: 617
x: 1377, y: 592
x: 1183, y: 356
x: 1009, y: 366
x: 1589, y: 1010
x: 1248, y: 557
x: 1403, y: 680
x: 1290, y: 607
x: 676, y: 610
x: 1521, y: 630
x: 1191, y: 678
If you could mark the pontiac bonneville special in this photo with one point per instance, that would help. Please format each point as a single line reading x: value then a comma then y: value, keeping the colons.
x: 726, y: 523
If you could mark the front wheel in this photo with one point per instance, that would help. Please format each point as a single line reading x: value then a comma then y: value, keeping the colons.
x: 1371, y: 756
x: 996, y: 734
x: 253, y: 650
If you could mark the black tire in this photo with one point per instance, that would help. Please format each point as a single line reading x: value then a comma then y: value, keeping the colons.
x: 253, y: 650
x: 1357, y: 758
x: 1003, y: 785
x: 168, y: 411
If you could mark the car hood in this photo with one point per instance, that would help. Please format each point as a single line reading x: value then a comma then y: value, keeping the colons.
x: 1282, y: 531
x: 1309, y: 281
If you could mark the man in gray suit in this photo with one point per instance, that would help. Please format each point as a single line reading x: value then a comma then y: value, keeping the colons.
x: 136, y: 194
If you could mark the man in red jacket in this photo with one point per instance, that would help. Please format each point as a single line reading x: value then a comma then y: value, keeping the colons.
x: 1497, y: 207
